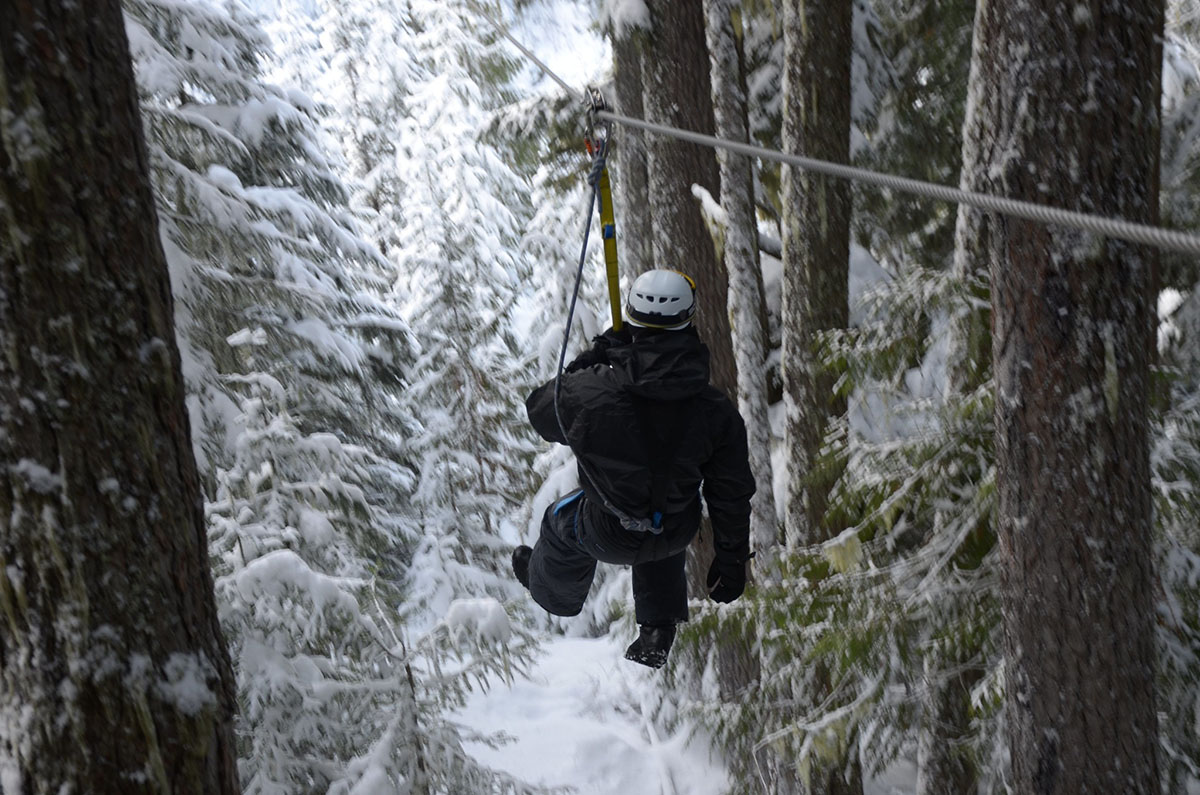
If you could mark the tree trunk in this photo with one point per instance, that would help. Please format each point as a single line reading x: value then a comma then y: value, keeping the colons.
x: 677, y: 93
x: 1069, y: 115
x: 816, y: 260
x: 944, y: 764
x: 114, y: 674
x: 630, y: 145
x: 816, y: 246
x: 747, y: 304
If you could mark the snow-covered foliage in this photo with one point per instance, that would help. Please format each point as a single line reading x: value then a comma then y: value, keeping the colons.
x: 413, y: 86
x: 359, y: 331
x: 1175, y: 458
x: 1180, y: 197
x: 899, y: 615
x: 298, y: 363
x: 336, y: 694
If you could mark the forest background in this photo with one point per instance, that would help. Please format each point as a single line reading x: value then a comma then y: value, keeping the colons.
x: 371, y: 210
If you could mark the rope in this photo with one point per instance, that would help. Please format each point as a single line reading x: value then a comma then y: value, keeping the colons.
x: 627, y: 521
x: 1165, y: 239
x: 503, y: 29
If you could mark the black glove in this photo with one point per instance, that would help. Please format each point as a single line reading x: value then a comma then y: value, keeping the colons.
x: 586, y: 360
x: 598, y: 353
x: 726, y: 580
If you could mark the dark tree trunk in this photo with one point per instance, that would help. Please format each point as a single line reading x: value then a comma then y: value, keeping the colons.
x: 677, y: 93
x: 110, y: 650
x: 1069, y: 114
x: 945, y: 763
x: 632, y: 185
x: 816, y: 262
x: 816, y: 245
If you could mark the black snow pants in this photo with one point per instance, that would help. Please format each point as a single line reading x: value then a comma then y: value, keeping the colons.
x: 564, y: 563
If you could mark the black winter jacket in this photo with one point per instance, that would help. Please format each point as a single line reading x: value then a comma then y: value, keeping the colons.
x: 648, y: 400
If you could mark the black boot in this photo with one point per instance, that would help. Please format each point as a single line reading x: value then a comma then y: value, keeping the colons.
x: 652, y: 645
x: 520, y: 563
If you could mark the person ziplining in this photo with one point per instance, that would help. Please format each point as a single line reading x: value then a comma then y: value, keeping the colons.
x: 650, y: 433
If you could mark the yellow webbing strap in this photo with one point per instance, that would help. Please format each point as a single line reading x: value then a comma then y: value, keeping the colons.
x: 608, y: 228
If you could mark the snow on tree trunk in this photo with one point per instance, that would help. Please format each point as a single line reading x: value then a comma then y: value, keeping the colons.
x: 676, y: 75
x: 636, y: 236
x: 816, y: 246
x: 740, y: 233
x: 114, y: 674
x: 1069, y: 114
x: 970, y: 345
x: 945, y: 765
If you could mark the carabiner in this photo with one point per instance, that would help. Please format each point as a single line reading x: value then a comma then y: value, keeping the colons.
x: 598, y: 129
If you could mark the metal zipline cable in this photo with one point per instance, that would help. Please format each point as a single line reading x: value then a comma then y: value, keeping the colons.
x: 1165, y: 239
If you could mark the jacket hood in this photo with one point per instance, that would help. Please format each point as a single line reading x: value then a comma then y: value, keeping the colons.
x: 663, y: 365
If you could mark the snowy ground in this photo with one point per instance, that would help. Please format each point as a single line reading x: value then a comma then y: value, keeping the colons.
x: 577, y: 722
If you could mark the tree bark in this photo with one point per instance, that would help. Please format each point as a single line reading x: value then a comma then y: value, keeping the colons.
x: 630, y: 145
x: 114, y: 674
x: 1069, y: 114
x: 816, y: 246
x: 678, y: 93
x: 945, y: 765
x: 816, y: 262
x: 747, y: 304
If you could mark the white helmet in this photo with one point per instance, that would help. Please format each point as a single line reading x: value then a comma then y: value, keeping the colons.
x: 661, y: 299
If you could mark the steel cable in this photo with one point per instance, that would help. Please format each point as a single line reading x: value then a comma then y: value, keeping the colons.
x: 1165, y: 239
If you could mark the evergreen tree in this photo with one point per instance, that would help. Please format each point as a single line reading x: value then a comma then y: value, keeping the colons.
x: 299, y: 377
x: 454, y: 211
x: 115, y: 676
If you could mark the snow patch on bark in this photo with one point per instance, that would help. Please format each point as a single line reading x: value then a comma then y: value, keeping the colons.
x: 37, y: 477
x: 625, y: 16
x: 186, y: 683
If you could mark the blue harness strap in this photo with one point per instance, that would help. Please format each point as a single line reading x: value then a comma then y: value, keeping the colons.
x: 567, y: 500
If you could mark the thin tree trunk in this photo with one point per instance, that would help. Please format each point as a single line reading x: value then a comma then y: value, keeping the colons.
x: 816, y: 259
x: 1070, y: 115
x: 816, y: 246
x: 113, y: 672
x: 944, y: 764
x: 747, y: 306
x: 675, y: 72
x: 632, y: 184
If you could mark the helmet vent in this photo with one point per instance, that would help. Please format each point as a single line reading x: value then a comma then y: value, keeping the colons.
x: 651, y: 294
